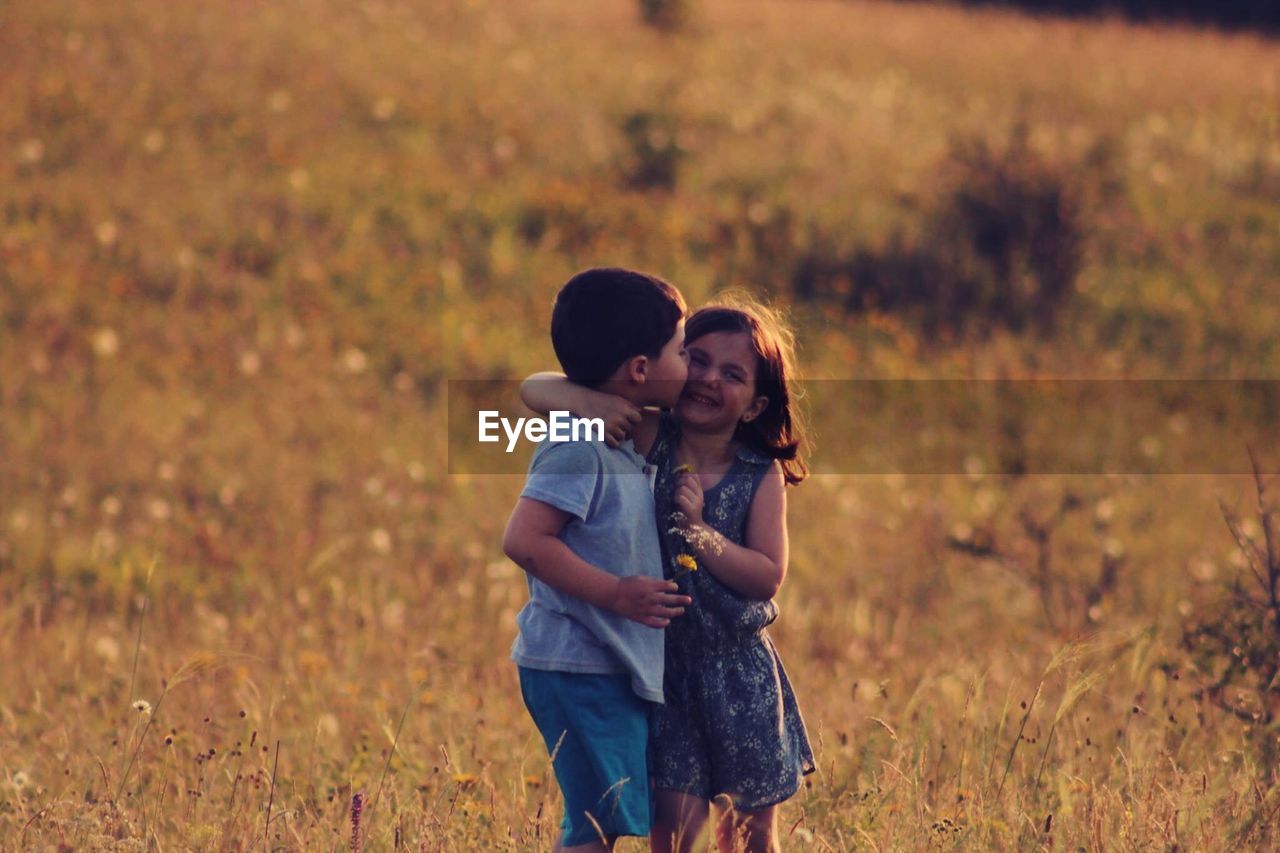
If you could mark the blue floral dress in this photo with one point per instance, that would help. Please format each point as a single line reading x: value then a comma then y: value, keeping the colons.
x: 730, y: 723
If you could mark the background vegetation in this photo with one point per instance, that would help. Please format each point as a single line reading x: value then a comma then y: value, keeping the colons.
x: 1224, y: 13
x: 243, y: 245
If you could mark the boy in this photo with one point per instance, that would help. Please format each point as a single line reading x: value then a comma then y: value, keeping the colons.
x: 590, y: 643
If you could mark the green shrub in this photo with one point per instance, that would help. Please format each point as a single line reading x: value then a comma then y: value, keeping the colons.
x: 1235, y: 648
x: 653, y: 150
x: 1010, y: 232
x: 1001, y: 245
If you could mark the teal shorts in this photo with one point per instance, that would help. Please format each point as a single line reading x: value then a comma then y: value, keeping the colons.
x: 597, y: 732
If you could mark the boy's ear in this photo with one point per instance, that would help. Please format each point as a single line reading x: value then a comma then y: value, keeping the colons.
x: 757, y: 406
x: 637, y: 369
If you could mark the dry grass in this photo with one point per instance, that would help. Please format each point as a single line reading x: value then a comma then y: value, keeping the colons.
x: 242, y: 246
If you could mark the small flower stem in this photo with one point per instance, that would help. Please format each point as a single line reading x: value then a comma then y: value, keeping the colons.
x: 271, y: 798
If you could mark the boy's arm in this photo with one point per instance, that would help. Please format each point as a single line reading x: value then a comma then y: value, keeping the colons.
x: 549, y: 391
x: 532, y: 541
x: 756, y: 570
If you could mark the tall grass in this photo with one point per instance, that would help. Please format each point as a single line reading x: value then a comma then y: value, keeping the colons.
x: 241, y: 249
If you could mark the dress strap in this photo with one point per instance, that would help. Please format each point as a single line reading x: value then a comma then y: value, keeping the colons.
x: 665, y: 441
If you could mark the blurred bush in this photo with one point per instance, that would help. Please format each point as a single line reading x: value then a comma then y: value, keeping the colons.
x: 561, y: 217
x: 1000, y: 245
x: 665, y: 15
x: 653, y: 154
x: 1235, y: 647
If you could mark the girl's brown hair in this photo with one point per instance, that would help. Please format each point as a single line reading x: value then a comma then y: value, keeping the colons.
x: 778, y: 431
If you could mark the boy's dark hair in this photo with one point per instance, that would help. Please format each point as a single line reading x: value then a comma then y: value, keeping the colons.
x: 602, y: 317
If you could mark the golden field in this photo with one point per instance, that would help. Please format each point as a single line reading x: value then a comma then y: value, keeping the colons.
x: 244, y: 245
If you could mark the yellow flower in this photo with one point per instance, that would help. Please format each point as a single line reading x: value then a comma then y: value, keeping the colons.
x: 685, y: 469
x: 686, y: 561
x: 464, y: 778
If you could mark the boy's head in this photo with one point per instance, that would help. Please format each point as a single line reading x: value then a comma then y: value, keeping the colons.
x: 605, y: 319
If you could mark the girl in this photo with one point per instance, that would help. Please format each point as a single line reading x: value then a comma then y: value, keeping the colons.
x: 730, y: 726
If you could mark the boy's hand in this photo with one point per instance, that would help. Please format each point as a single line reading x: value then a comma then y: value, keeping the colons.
x: 618, y: 413
x: 649, y: 601
x: 688, y: 500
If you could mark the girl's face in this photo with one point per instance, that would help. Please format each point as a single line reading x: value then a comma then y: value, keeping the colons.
x: 721, y: 388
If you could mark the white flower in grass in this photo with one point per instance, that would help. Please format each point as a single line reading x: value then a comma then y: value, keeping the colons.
x: 106, y: 342
x: 355, y: 360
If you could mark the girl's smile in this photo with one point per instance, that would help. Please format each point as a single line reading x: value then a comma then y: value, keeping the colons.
x: 701, y: 399
x: 720, y: 390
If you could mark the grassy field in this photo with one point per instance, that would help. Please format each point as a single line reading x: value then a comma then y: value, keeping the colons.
x: 245, y: 244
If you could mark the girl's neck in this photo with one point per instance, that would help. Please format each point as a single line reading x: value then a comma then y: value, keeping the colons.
x: 705, y: 451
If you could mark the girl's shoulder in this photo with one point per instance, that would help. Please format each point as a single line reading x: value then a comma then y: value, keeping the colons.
x: 750, y: 469
x: 752, y: 457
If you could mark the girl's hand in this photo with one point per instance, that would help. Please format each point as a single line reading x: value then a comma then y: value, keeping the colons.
x: 688, y: 499
x: 618, y: 413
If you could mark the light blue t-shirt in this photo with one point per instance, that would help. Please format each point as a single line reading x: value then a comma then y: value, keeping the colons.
x: 609, y: 494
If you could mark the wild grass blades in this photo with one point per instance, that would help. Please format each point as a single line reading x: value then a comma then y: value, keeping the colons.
x: 167, y: 762
x: 1263, y: 561
x: 971, y: 691
x: 22, y: 836
x: 1065, y: 655
x: 1075, y: 691
x: 271, y: 798
x: 604, y: 839
x: 235, y: 788
x: 288, y: 260
x: 193, y: 667
x: 142, y: 707
x: 395, y: 742
x: 142, y: 615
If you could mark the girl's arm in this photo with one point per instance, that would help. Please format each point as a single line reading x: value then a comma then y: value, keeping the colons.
x: 549, y: 391
x: 753, y: 571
